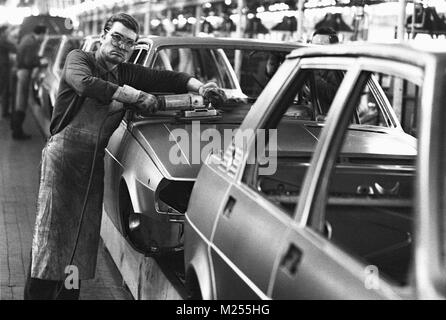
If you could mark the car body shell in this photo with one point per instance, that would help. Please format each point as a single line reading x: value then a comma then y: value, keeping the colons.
x: 137, y: 164
x: 239, y: 245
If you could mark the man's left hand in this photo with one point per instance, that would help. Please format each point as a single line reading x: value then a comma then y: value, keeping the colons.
x: 212, y: 93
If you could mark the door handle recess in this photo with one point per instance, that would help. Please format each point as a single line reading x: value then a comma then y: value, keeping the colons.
x: 291, y: 259
x: 227, y: 212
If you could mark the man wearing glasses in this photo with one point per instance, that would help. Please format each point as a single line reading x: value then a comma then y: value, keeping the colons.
x: 92, y: 86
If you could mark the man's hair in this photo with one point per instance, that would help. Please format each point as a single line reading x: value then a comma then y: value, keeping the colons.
x: 40, y: 29
x: 127, y: 20
x: 330, y: 32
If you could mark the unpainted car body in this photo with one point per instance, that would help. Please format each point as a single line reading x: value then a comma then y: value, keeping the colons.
x: 146, y: 194
x: 46, y: 79
x: 353, y: 211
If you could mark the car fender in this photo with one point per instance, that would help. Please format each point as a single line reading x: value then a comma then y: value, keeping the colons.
x: 142, y: 178
x: 140, y: 194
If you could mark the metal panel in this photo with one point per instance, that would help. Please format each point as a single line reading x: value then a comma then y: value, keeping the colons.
x: 246, y: 241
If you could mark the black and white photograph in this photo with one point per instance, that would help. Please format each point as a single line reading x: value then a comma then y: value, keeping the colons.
x: 242, y: 151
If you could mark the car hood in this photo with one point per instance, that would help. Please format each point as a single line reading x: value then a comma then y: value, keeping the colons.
x: 181, y: 159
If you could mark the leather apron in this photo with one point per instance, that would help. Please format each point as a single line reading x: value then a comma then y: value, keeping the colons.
x: 65, y: 170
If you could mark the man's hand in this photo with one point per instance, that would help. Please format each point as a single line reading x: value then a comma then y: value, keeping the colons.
x: 141, y: 102
x: 212, y: 93
x: 146, y: 104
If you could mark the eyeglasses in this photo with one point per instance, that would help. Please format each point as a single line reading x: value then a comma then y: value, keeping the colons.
x: 118, y: 40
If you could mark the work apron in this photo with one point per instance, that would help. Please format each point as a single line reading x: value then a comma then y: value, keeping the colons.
x: 65, y: 171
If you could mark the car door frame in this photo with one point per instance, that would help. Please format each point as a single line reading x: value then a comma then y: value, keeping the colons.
x: 309, y: 237
x: 316, y: 182
x: 270, y: 101
x: 235, y: 188
x: 429, y: 256
x: 157, y: 49
x: 318, y: 165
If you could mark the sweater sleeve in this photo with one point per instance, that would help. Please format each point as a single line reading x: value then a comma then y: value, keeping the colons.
x: 79, y: 75
x: 150, y: 80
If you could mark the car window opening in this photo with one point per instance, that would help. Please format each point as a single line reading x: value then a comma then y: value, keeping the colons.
x: 369, y: 205
x: 370, y: 194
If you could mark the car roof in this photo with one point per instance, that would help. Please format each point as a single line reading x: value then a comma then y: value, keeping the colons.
x: 414, y: 53
x: 59, y: 36
x: 220, y: 42
x: 92, y: 37
x: 161, y: 41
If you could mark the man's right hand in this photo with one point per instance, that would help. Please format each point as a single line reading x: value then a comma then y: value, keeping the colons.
x: 146, y: 104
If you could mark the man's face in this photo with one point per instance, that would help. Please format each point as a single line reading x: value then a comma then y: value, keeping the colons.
x: 321, y: 39
x: 116, y: 44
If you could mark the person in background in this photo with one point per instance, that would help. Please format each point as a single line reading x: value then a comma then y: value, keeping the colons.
x: 325, y: 36
x: 13, y: 34
x: 320, y: 36
x: 6, y: 48
x: 326, y: 81
x: 27, y: 60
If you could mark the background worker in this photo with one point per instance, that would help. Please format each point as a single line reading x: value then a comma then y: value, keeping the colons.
x: 326, y: 81
x: 27, y: 60
x: 6, y: 48
x: 325, y: 36
x: 320, y: 36
x: 92, y: 85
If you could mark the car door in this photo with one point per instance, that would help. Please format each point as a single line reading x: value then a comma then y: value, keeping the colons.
x: 251, y: 226
x: 375, y: 250
x: 246, y: 238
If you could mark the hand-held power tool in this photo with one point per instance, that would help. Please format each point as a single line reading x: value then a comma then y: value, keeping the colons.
x: 190, y: 105
x: 181, y: 102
